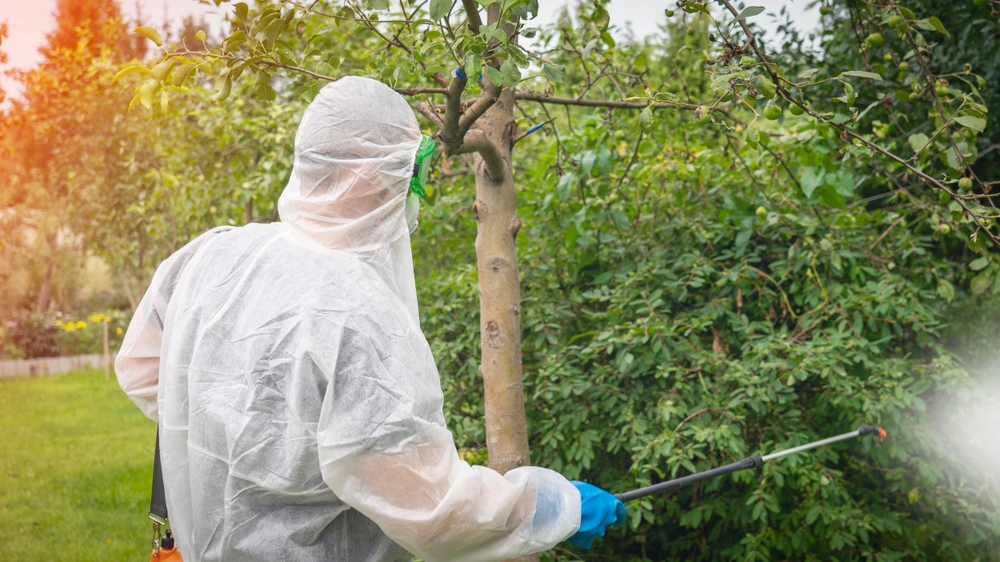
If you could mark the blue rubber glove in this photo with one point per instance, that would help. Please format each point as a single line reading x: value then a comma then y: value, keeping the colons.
x: 598, y: 511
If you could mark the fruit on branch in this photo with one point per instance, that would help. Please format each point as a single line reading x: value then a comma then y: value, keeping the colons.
x: 875, y: 40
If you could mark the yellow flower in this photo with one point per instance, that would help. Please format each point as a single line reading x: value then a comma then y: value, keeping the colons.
x: 118, y: 331
x: 80, y: 324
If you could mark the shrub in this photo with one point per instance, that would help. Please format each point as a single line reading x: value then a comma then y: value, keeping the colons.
x: 31, y: 335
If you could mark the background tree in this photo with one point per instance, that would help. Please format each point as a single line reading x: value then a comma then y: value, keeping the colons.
x: 57, y: 139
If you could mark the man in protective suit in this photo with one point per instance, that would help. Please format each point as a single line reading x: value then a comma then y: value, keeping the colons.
x: 298, y: 403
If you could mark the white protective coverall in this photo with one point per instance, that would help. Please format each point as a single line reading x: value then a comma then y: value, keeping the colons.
x: 298, y: 403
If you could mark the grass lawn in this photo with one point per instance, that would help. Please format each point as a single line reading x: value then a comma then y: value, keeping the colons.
x: 75, y: 469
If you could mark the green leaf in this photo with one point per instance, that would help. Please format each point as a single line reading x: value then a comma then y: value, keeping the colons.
x: 831, y: 198
x: 129, y: 70
x: 812, y: 178
x: 347, y: 13
x: 918, y: 141
x: 473, y: 65
x: 511, y: 74
x: 601, y: 17
x: 151, y: 34
x: 565, y: 186
x: 842, y: 182
x: 500, y: 35
x: 200, y: 35
x: 692, y: 518
x: 640, y: 62
x: 225, y: 88
x: 953, y: 158
x: 377, y: 4
x: 977, y: 124
x: 975, y: 241
x: 496, y: 78
x: 934, y: 21
x: 721, y: 84
x: 161, y: 68
x: 862, y: 74
x: 766, y: 87
x: 979, y: 263
x: 587, y: 162
x: 234, y: 41
x: 749, y: 12
x: 807, y: 74
x: 981, y: 282
x: 524, y: 9
x: 646, y: 119
x: 946, y: 290
x: 744, y: 233
x: 604, y: 164
x: 849, y: 95
x: 146, y: 93
x: 752, y: 136
x: 812, y: 514
x: 555, y: 73
x: 518, y: 56
x: 241, y: 11
x: 182, y: 72
x: 266, y: 93
x: 975, y: 536
x: 694, y: 7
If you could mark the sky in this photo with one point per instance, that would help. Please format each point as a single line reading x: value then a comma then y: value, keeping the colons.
x: 29, y: 20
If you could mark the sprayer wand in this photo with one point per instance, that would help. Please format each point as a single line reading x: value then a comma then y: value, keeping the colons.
x: 749, y: 462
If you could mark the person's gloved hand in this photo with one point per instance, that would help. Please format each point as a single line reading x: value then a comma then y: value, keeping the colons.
x: 598, y: 511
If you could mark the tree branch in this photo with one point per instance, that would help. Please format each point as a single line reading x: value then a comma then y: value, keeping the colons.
x: 884, y: 234
x: 753, y: 43
x: 485, y: 101
x: 476, y: 141
x: 472, y: 13
x: 420, y: 91
x: 540, y: 98
x: 451, y: 133
x: 847, y: 133
x: 427, y: 111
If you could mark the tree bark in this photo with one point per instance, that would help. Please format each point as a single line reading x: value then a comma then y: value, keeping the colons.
x: 500, y: 298
x: 43, y: 291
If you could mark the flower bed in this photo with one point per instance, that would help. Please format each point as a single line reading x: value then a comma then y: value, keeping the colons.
x: 36, y: 335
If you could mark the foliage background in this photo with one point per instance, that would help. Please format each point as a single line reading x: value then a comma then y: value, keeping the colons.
x: 691, y: 295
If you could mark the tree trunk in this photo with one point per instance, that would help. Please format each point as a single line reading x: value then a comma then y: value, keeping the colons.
x: 43, y: 291
x: 500, y: 298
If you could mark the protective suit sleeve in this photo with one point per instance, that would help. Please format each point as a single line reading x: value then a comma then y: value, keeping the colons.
x: 137, y: 366
x: 384, y: 450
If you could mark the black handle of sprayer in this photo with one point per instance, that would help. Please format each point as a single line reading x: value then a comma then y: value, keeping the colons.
x: 749, y: 462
